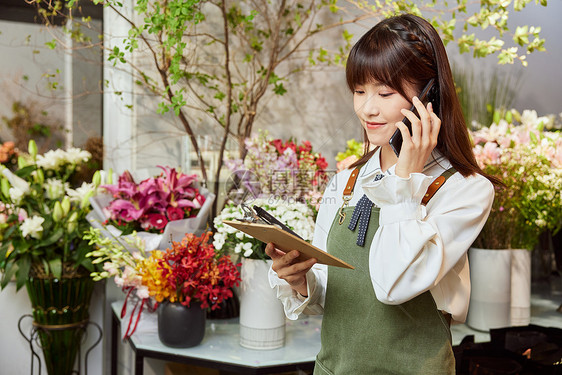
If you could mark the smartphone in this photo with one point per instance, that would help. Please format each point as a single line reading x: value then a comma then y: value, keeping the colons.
x: 430, y: 93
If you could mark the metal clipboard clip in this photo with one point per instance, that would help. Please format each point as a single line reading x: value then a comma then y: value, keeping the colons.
x: 256, y: 214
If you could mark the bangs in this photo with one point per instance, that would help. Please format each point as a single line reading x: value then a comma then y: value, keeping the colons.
x: 380, y: 55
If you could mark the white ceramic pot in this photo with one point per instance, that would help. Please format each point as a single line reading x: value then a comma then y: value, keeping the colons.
x: 262, y: 318
x: 490, y: 296
x: 520, y: 287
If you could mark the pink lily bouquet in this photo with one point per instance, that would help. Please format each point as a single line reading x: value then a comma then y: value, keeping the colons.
x: 161, y: 209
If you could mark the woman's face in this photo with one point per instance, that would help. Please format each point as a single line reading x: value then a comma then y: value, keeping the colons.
x: 378, y: 108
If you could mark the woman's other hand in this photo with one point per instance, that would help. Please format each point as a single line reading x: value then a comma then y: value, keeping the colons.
x: 288, y: 268
x: 417, y: 148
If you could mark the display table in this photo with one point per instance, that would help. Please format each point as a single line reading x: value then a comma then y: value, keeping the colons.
x: 221, y: 350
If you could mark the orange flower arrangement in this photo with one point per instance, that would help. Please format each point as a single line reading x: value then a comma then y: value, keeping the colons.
x: 192, y: 269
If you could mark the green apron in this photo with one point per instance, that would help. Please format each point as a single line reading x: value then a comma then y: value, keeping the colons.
x: 360, y: 334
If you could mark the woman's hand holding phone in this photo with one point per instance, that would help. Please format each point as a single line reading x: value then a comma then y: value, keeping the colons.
x: 289, y: 269
x: 417, y: 148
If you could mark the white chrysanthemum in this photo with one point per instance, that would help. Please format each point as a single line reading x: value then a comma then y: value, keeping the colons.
x: 32, y: 227
x: 218, y: 240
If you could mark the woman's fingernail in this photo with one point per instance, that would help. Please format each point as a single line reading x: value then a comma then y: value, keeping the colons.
x: 416, y: 98
x: 430, y: 106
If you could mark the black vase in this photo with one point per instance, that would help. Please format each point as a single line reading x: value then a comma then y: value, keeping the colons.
x: 180, y: 326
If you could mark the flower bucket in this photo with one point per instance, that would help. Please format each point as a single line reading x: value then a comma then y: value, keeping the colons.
x: 520, y: 287
x: 501, y: 288
x: 490, y: 296
x: 60, y: 314
x: 181, y: 326
x: 262, y: 318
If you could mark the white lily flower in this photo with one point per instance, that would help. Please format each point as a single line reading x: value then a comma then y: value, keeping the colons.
x: 16, y: 181
x: 32, y: 227
x: 55, y: 188
x: 78, y: 194
x: 77, y: 156
x: 52, y: 159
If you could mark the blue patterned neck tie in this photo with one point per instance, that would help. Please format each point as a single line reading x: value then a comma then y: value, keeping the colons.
x: 361, y: 214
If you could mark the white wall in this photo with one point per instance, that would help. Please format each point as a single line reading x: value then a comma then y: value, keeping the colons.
x: 76, y: 103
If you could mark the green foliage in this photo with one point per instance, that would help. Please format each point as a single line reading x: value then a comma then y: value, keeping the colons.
x: 481, y: 97
x: 448, y: 16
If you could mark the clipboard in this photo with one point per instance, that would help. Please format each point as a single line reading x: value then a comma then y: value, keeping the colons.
x: 286, y: 242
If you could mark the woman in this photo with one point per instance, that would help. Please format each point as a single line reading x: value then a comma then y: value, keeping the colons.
x: 404, y: 222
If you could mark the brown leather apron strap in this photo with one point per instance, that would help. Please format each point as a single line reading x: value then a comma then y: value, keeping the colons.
x: 436, y: 185
x: 348, y: 192
x: 351, y: 182
x: 432, y: 189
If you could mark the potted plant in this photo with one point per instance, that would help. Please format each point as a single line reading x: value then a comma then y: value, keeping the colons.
x: 42, y: 219
x: 182, y: 282
x: 528, y: 160
x: 262, y: 318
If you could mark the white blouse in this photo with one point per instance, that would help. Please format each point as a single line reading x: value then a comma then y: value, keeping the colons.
x: 416, y: 248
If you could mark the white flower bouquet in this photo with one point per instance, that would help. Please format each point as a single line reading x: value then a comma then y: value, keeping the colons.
x: 43, y: 213
x: 297, y: 216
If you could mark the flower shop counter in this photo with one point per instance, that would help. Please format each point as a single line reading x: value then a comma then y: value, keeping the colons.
x: 221, y: 349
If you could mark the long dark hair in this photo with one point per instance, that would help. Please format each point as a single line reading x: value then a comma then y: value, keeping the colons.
x: 406, y: 49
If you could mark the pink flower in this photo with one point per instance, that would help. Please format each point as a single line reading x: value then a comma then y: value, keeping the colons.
x: 22, y: 215
x: 157, y: 221
x: 345, y: 163
x: 491, y: 152
x: 123, y: 209
x: 175, y: 213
